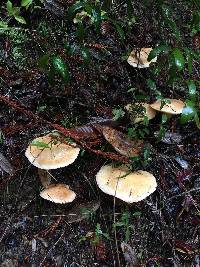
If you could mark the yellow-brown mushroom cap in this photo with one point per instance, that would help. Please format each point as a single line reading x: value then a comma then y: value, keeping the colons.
x: 139, y: 58
x: 125, y: 185
x: 55, y: 155
x: 138, y: 115
x: 174, y: 107
x: 58, y: 193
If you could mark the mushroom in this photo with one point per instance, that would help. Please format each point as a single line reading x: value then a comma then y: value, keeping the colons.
x: 138, y: 112
x: 121, y: 143
x: 58, y: 193
x: 174, y: 107
x: 124, y: 184
x: 47, y: 153
x: 139, y: 58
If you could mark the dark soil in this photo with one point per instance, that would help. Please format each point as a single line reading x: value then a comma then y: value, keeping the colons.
x: 164, y: 228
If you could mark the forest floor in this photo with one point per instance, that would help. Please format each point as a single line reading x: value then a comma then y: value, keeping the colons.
x: 163, y: 230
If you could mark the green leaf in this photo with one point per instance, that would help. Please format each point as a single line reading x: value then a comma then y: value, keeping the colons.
x: 26, y: 3
x: 179, y: 60
x: 9, y: 8
x: 164, y: 118
x: 118, y: 113
x: 96, y: 16
x: 3, y: 25
x: 61, y: 68
x: 72, y: 10
x: 192, y: 88
x: 40, y: 144
x: 189, y: 112
x: 157, y: 50
x: 86, y: 55
x: 20, y: 19
x: 44, y: 61
x: 120, y: 31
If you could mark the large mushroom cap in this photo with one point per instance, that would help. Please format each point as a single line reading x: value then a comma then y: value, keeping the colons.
x: 47, y: 153
x: 58, y: 193
x: 174, y: 107
x: 125, y: 185
x: 139, y: 58
x: 138, y: 111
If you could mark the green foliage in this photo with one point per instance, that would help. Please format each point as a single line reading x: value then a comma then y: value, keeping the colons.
x: 118, y: 113
x: 124, y: 223
x: 14, y: 12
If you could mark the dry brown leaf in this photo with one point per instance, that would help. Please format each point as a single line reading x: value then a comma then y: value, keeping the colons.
x: 45, y: 177
x: 129, y: 255
x: 5, y: 165
x: 82, y: 211
x: 121, y: 143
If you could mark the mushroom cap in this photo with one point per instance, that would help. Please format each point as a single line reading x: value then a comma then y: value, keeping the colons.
x: 125, y: 185
x: 139, y: 115
x: 138, y: 58
x: 55, y: 156
x: 175, y: 107
x: 58, y: 193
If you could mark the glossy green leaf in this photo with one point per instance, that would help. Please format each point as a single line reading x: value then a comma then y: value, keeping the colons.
x: 20, y: 19
x: 86, y: 55
x: 61, y: 68
x: 179, y: 60
x: 96, y: 16
x: 157, y: 50
x: 9, y: 7
x: 26, y: 3
x: 72, y: 10
x: 189, y: 112
x: 164, y: 118
x: 192, y: 88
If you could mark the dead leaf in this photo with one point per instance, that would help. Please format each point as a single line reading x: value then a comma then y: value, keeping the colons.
x: 82, y: 211
x: 170, y: 138
x: 129, y: 255
x: 5, y: 165
x: 122, y: 144
x: 45, y: 177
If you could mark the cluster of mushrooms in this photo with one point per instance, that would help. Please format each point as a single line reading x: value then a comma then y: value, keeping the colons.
x: 49, y: 152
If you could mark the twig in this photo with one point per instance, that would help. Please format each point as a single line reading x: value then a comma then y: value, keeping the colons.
x: 64, y: 131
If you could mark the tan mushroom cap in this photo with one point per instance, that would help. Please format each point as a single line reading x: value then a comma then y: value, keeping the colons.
x: 138, y: 58
x: 58, y: 193
x: 57, y: 155
x: 125, y: 185
x: 135, y: 116
x: 174, y: 107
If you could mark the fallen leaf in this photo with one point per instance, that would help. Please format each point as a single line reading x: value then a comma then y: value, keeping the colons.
x: 129, y: 255
x: 5, y: 165
x: 45, y: 177
x: 170, y: 138
x: 121, y: 143
x: 82, y: 211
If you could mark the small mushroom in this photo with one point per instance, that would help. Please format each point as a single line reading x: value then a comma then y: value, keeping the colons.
x: 174, y: 107
x: 138, y: 112
x: 124, y: 184
x: 47, y: 153
x: 58, y: 193
x: 139, y: 58
x: 121, y: 143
